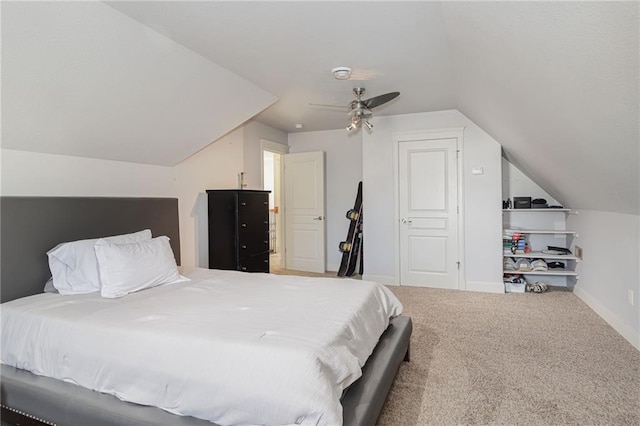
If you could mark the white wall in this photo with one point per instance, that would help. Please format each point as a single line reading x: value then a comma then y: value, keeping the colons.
x: 517, y: 184
x: 32, y: 173
x: 253, y: 132
x: 215, y: 167
x: 343, y: 171
x: 610, y: 243
x: 482, y: 197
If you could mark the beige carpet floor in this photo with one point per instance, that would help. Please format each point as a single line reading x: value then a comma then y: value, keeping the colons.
x: 510, y: 359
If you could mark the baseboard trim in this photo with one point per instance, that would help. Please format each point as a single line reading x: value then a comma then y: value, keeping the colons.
x: 382, y: 279
x: 611, y: 318
x: 485, y: 286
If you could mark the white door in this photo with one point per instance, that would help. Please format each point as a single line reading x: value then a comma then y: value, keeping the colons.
x: 304, y: 211
x: 428, y: 212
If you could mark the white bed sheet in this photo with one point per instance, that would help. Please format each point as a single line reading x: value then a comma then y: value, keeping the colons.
x: 229, y: 347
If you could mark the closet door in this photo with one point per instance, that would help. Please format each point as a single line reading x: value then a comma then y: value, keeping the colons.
x: 428, y: 211
x: 305, y: 211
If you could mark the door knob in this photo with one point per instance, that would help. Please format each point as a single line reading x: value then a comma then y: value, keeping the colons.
x: 405, y: 221
x: 317, y: 218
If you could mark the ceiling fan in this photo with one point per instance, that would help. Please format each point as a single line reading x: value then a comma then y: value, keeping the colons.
x: 360, y: 109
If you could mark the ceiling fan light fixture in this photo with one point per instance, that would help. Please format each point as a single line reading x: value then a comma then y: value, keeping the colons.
x: 341, y: 73
x: 360, y: 109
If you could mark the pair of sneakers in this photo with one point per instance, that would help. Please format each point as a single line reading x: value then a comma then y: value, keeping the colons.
x: 538, y: 287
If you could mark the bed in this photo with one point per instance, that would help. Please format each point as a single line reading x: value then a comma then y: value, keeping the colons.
x: 32, y: 225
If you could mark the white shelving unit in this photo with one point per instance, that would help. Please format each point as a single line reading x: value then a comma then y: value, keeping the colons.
x: 542, y: 231
x: 540, y: 255
x: 545, y: 210
x: 542, y: 228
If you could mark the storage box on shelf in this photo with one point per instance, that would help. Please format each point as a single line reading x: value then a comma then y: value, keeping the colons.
x: 541, y: 228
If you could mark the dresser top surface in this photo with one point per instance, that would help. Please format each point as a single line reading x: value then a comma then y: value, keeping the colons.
x: 261, y: 191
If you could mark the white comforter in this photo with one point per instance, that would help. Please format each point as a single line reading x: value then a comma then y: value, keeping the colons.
x: 229, y: 347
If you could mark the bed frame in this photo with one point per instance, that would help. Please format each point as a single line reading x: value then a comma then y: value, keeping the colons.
x: 29, y: 226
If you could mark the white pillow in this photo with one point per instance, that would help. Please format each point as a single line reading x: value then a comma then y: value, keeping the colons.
x: 125, y: 268
x: 48, y: 286
x: 74, y: 267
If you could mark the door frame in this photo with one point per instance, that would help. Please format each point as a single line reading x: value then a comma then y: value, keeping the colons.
x: 447, y: 133
x: 277, y: 148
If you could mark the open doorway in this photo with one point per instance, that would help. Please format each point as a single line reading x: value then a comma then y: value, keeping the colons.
x: 272, y: 175
x: 271, y: 182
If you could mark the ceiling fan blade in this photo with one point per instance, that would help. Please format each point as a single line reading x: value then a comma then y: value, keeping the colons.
x: 380, y: 99
x: 328, y: 106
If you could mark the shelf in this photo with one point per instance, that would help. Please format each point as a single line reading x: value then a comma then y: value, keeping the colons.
x: 539, y: 227
x: 546, y: 231
x: 538, y: 255
x: 558, y: 272
x: 537, y: 210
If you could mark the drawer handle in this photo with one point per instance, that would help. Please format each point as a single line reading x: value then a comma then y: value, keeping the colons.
x: 243, y: 203
x: 244, y: 225
x: 266, y: 261
x: 244, y: 268
x: 265, y: 203
x: 266, y: 242
x: 266, y: 222
x: 244, y: 247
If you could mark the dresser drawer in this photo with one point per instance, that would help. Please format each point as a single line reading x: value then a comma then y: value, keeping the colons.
x: 258, y: 263
x: 252, y: 226
x: 252, y: 206
x: 252, y: 244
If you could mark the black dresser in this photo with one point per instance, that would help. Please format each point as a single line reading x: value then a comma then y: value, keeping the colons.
x: 239, y: 229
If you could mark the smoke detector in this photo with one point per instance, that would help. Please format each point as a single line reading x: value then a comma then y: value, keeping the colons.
x: 341, y: 73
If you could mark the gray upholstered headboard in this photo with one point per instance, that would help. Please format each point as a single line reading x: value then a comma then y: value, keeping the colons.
x: 30, y: 226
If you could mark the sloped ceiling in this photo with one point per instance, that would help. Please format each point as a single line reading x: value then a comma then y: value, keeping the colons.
x: 82, y: 79
x: 289, y: 48
x: 556, y: 83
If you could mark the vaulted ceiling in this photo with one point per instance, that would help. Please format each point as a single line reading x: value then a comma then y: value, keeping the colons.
x: 556, y: 83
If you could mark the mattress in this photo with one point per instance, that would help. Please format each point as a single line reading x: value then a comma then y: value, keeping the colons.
x: 228, y: 347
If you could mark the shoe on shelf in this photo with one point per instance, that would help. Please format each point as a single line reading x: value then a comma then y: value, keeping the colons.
x: 538, y: 287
